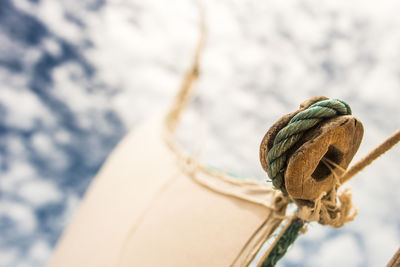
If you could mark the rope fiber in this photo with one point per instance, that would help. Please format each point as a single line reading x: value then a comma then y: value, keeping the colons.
x: 282, y: 244
x: 276, y: 159
x: 289, y: 135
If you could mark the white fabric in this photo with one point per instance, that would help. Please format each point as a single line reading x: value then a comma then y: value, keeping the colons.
x: 148, y: 207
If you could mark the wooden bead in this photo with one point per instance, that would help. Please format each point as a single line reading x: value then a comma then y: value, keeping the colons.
x: 335, y: 143
x: 268, y: 140
x: 335, y: 140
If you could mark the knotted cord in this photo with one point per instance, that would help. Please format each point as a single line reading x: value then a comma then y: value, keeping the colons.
x: 288, y: 136
x: 289, y: 234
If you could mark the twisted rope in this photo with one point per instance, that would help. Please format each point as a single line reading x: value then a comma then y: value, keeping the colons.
x: 288, y: 136
x: 283, y: 242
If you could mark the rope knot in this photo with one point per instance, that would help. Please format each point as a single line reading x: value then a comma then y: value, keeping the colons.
x: 303, y: 152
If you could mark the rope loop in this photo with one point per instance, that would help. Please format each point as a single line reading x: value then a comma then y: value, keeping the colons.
x: 289, y: 135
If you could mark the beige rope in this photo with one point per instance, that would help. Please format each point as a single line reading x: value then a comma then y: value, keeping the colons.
x: 371, y: 156
x: 333, y: 209
x: 189, y: 164
x: 183, y: 96
x: 395, y: 261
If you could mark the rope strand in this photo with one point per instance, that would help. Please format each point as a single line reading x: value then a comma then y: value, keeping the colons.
x: 289, y: 135
x: 281, y: 244
x: 183, y: 96
x: 371, y: 156
x: 289, y: 234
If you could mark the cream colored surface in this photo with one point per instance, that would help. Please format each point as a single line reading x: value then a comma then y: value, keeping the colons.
x: 148, y: 207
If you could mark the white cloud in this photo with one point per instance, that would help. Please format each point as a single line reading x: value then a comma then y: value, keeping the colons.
x: 16, y: 147
x: 39, y: 251
x: 44, y: 145
x: 52, y: 47
x: 381, y: 242
x: 70, y: 85
x: 295, y: 254
x: 342, y: 250
x: 39, y: 192
x: 19, y: 172
x: 22, y: 216
x: 53, y: 15
x: 62, y: 136
x: 23, y: 108
x: 8, y: 256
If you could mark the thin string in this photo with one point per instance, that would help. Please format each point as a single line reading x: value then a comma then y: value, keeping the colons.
x: 277, y: 248
x: 329, y: 164
x: 190, y: 164
x: 183, y: 96
x: 289, y: 135
x: 395, y: 261
x: 371, y: 156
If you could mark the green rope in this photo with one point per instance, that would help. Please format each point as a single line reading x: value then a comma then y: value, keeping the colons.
x: 290, y: 235
x: 288, y: 136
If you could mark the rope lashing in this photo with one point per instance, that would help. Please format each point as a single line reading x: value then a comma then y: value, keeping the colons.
x: 288, y: 136
x: 322, y: 132
x: 306, y: 153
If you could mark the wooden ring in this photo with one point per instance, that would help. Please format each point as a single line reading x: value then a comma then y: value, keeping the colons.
x: 321, y: 155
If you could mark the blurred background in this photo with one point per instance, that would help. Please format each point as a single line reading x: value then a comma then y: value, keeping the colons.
x: 76, y: 75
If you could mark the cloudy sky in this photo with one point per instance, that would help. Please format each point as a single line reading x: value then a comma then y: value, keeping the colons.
x: 75, y: 76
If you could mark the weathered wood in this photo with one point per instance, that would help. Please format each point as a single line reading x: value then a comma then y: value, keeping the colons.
x: 332, y: 142
x: 268, y: 140
x: 395, y: 261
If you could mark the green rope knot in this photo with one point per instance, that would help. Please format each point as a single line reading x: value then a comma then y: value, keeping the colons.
x: 289, y: 135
